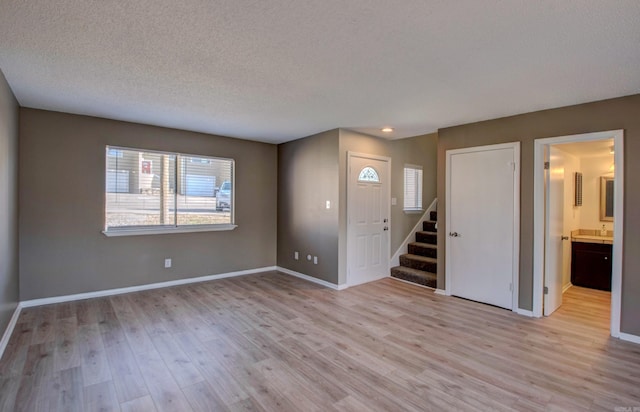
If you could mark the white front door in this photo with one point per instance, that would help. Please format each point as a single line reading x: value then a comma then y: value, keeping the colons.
x: 554, y: 253
x: 367, y: 219
x: 482, y: 212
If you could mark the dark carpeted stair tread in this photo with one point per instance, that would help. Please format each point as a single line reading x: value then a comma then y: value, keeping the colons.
x: 420, y: 258
x: 429, y: 226
x: 415, y: 276
x: 424, y: 263
x: 427, y: 245
x: 427, y: 237
x: 423, y: 249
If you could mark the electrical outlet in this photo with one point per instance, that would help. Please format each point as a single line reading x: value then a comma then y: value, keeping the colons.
x: 328, y: 204
x: 315, y: 260
x: 296, y: 256
x: 394, y: 201
x: 167, y: 263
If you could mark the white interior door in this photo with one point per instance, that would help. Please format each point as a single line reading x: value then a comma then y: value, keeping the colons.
x: 482, y: 211
x: 368, y: 219
x: 554, y: 227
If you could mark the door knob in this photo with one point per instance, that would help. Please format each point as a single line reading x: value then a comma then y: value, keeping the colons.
x: 454, y: 234
x: 386, y: 228
x: 564, y: 237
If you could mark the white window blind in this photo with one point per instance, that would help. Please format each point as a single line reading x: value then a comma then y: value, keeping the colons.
x: 412, y: 187
x: 163, y: 190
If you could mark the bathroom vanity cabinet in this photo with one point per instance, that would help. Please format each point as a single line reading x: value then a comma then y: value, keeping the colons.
x: 591, y: 265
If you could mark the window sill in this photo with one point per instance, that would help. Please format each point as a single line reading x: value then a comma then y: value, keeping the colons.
x: 413, y: 211
x: 163, y: 231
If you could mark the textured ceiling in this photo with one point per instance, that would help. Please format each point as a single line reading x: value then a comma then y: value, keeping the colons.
x: 276, y: 70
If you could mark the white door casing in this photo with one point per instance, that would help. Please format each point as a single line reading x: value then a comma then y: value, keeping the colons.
x: 482, y: 220
x: 539, y: 219
x: 554, y: 253
x: 368, y: 222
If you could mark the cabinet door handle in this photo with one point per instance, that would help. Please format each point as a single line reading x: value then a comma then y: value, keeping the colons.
x: 606, y: 258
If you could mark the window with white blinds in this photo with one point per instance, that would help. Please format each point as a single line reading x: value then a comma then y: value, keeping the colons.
x: 412, y: 187
x: 164, y: 192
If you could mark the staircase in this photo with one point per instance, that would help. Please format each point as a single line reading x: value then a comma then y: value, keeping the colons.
x: 420, y: 264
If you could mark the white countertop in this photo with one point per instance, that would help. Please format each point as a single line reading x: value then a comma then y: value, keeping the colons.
x: 592, y: 239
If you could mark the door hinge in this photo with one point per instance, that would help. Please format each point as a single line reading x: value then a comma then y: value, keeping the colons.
x: 546, y: 290
x: 547, y: 166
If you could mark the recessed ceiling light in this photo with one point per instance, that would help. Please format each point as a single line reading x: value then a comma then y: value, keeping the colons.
x: 387, y: 129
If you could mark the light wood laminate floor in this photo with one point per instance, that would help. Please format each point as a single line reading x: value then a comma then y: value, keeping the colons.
x: 277, y: 343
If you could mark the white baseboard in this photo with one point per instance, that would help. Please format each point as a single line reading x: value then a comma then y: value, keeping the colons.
x: 311, y: 279
x: 524, y: 312
x: 566, y: 287
x: 119, y: 291
x: 440, y: 292
x: 9, y: 330
x: 395, y: 259
x: 629, y: 337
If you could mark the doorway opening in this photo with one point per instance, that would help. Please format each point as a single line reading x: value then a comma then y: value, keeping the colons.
x: 574, y: 242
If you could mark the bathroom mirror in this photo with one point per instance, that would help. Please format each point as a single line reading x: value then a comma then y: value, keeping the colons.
x: 606, y: 199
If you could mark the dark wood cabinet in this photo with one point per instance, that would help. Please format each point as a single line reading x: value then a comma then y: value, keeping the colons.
x: 591, y: 265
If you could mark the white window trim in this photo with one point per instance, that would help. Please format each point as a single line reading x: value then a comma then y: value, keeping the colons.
x: 165, y: 230
x: 410, y: 210
x: 139, y: 231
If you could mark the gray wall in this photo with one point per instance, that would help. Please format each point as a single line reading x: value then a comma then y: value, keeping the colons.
x: 307, y: 178
x: 8, y: 203
x: 62, y: 249
x: 620, y: 113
